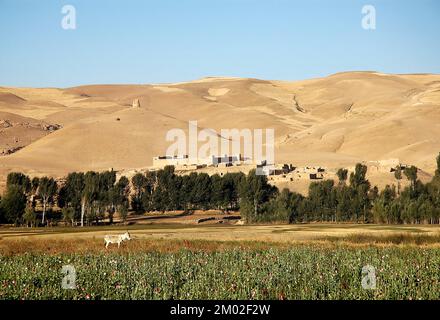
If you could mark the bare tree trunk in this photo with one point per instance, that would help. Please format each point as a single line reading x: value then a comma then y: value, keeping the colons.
x: 44, y: 210
x: 83, y: 208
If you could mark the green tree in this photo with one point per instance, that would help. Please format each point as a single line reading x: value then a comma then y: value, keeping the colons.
x: 13, y: 204
x: 68, y: 214
x: 398, y: 176
x: 411, y: 174
x: 139, y: 182
x: 186, y: 191
x: 119, y: 195
x: 89, y: 193
x: 357, y: 177
x: 230, y: 185
x: 35, y: 183
x: 342, y: 175
x: 151, y: 183
x: 361, y: 186
x: 381, y: 209
x: 254, y: 191
x: 344, y: 196
x: 30, y: 217
x: 202, y: 190
x: 123, y: 212
x: 217, y: 193
x: 70, y: 194
x: 104, y: 202
x: 20, y: 180
x: 47, y: 189
x: 34, y: 189
x: 284, y: 207
x: 322, y: 200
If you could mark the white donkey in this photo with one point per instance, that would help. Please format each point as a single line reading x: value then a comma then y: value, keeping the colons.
x: 116, y: 239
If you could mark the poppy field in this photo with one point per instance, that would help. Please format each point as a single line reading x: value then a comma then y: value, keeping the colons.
x: 295, y: 272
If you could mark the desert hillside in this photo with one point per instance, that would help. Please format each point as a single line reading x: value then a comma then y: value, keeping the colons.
x: 334, y: 121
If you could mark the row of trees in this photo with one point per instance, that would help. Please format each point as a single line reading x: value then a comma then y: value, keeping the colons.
x: 20, y: 191
x: 83, y: 197
x: 86, y: 198
x: 89, y: 197
x: 163, y: 190
x: 357, y: 201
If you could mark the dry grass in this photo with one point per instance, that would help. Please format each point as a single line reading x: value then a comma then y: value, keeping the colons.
x: 16, y: 246
x: 400, y: 238
x: 82, y: 246
x: 221, y: 232
x: 171, y: 238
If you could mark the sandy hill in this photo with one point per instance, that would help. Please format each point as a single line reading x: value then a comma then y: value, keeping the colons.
x: 334, y: 121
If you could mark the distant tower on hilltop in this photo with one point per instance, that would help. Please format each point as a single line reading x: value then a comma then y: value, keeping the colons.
x: 136, y: 103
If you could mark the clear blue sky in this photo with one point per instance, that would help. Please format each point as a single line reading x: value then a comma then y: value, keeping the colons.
x: 147, y: 41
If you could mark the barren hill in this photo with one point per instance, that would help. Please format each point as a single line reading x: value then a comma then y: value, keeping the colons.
x: 334, y: 121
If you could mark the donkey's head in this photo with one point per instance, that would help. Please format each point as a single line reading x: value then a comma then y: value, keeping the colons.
x: 126, y: 236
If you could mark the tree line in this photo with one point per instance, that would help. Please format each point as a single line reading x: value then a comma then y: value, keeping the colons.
x: 88, y: 198
x: 356, y: 201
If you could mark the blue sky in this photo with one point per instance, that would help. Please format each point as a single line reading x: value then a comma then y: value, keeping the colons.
x: 175, y: 40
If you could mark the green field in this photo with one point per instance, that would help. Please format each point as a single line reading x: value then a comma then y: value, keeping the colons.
x: 299, y: 272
